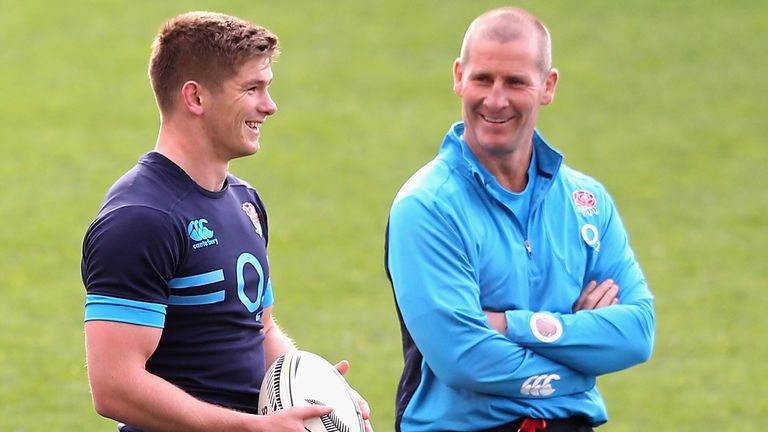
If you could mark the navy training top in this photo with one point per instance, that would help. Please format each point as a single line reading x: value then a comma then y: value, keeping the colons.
x: 166, y: 253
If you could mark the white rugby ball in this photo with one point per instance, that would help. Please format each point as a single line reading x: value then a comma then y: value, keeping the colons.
x: 302, y: 378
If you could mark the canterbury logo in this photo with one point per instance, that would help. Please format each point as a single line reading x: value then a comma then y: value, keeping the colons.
x: 539, y: 385
x: 198, y: 231
x: 201, y: 234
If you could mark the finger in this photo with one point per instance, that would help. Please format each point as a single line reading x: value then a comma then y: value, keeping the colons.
x: 579, y: 305
x: 595, y: 297
x: 592, y: 295
x: 342, y: 367
x: 497, y: 321
x: 608, y: 297
x: 590, y: 287
x: 368, y: 427
x: 365, y: 409
x: 603, y: 286
x: 307, y: 412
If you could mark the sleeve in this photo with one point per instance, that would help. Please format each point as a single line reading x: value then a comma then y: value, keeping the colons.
x: 604, y: 340
x: 269, y: 296
x: 129, y: 254
x: 438, y: 296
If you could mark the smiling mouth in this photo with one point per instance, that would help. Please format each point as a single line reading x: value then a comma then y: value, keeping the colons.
x: 252, y: 125
x: 496, y: 120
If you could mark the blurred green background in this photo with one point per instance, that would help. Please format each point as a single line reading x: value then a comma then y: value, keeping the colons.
x: 664, y: 102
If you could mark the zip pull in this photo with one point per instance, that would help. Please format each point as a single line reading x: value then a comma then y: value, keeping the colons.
x: 528, y: 247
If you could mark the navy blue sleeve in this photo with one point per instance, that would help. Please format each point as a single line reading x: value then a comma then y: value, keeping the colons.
x: 129, y: 254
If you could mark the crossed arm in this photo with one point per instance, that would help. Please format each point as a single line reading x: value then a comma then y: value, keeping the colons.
x: 594, y: 296
x: 436, y: 289
x: 618, y: 333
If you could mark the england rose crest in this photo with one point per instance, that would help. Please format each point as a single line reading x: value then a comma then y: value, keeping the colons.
x: 250, y: 210
x: 586, y: 202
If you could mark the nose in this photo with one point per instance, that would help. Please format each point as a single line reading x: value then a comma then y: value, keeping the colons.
x: 497, y: 98
x: 268, y: 106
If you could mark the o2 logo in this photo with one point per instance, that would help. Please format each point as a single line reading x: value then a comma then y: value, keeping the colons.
x: 247, y: 260
x: 590, y: 236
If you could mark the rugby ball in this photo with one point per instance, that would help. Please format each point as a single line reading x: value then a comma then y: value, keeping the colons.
x: 302, y: 378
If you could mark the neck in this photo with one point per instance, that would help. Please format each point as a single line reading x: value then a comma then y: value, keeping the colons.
x: 509, y: 169
x: 185, y: 146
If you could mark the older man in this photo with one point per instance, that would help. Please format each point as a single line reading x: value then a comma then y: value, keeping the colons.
x: 513, y: 277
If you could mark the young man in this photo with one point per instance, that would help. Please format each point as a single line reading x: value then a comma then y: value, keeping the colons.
x: 179, y: 327
x: 513, y: 276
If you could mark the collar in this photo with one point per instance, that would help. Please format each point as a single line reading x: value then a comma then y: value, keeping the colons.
x: 456, y: 152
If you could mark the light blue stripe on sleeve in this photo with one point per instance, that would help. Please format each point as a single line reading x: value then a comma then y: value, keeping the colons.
x: 197, y: 280
x: 269, y: 297
x: 196, y: 300
x: 106, y: 308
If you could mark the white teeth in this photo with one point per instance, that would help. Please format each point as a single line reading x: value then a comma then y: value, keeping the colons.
x: 495, y: 120
x: 252, y: 125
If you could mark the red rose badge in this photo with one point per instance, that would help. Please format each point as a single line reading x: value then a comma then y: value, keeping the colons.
x: 586, y: 202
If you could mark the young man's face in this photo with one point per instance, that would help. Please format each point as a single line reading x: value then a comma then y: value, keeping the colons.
x: 501, y: 89
x: 238, y: 110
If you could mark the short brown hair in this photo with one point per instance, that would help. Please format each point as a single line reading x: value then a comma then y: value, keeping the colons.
x: 206, y: 47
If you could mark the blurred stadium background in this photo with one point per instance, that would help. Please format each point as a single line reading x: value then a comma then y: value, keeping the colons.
x: 665, y: 102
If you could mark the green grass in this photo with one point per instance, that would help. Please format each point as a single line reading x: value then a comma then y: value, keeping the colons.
x: 662, y: 101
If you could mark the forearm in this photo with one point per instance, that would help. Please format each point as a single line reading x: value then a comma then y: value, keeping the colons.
x: 124, y: 390
x: 594, y: 342
x: 149, y: 402
x: 480, y: 360
x: 276, y: 341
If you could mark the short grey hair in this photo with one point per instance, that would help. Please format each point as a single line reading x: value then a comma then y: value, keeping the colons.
x: 509, y: 23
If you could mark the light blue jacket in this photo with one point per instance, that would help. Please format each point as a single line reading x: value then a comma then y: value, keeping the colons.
x: 455, y: 248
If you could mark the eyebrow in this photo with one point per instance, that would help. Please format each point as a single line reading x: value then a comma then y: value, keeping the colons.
x: 255, y: 82
x: 485, y: 74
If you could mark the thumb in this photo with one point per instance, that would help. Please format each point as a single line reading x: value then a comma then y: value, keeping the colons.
x: 342, y: 366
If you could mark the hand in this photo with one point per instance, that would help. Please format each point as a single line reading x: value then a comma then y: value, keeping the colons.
x: 498, y: 321
x: 343, y: 367
x: 292, y: 419
x: 595, y: 296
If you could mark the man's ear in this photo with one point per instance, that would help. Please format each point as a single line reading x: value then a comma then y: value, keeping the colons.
x: 551, y: 85
x: 457, y: 76
x: 192, y: 97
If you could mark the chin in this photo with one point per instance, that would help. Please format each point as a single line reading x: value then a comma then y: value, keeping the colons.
x: 494, y: 141
x: 250, y: 147
x: 245, y: 151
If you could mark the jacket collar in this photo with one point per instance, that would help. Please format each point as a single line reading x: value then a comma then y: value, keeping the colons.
x: 456, y: 152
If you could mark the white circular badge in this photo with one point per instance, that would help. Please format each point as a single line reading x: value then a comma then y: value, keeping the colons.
x: 547, y: 328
